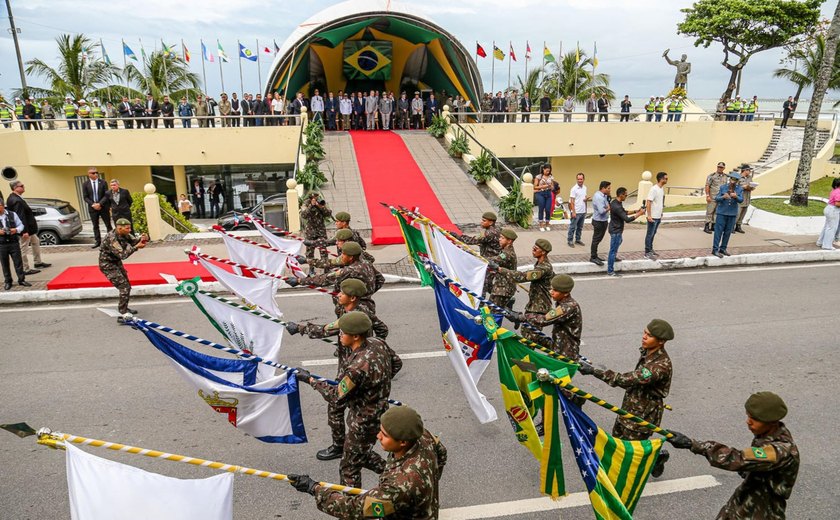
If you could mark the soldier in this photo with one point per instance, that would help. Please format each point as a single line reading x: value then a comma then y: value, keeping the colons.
x: 313, y: 213
x: 408, y: 487
x: 342, y: 221
x: 118, y: 245
x: 488, y: 242
x: 645, y: 387
x: 539, y: 299
x: 746, y: 184
x: 769, y: 467
x: 417, y: 112
x: 504, y: 287
x: 364, y: 387
x: 486, y: 108
x: 714, y: 181
x: 352, y: 290
x: 565, y: 318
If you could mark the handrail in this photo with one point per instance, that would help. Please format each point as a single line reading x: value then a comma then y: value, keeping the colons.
x: 484, y: 148
x: 298, y: 152
x: 174, y: 222
x: 62, y: 123
x: 694, y: 188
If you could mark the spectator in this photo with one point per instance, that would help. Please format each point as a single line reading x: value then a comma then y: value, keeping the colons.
x: 10, y: 227
x: 525, y: 108
x: 167, y: 110
x: 386, y: 107
x: 6, y: 115
x: 185, y: 206
x: 152, y: 111
x: 658, y: 108
x: 671, y: 108
x: 748, y: 186
x: 577, y: 211
x: 331, y: 110
x: 728, y: 197
x: 29, y: 237
x: 259, y: 110
x: 788, y: 108
x: 654, y: 207
x: 29, y: 115
x: 211, y: 110
x: 95, y: 195
x: 543, y: 186
x: 126, y: 113
x: 359, y: 111
x: 625, y: 109
x: 498, y: 107
x: 215, y: 192
x: 417, y: 112
x: 110, y: 115
x: 432, y: 107
x: 650, y: 108
x: 618, y: 216
x: 225, y: 109
x: 591, y: 107
x: 201, y: 111
x: 603, y: 108
x: 48, y: 113
x: 679, y: 105
x: 545, y: 107
x: 297, y: 105
x: 120, y: 201
x: 345, y: 107
x: 600, y: 218
x: 247, y: 110
x: 831, y: 230
x: 198, y: 198
x: 568, y: 108
x: 185, y: 112
x: 70, y: 113
x: 317, y: 103
x: 235, y: 109
x: 139, y: 110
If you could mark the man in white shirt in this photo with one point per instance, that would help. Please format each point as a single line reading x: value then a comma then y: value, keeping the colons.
x: 345, y: 106
x: 577, y: 211
x: 655, y: 204
x: 317, y: 105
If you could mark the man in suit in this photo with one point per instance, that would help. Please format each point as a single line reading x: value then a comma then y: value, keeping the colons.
x: 591, y: 107
x: 432, y: 108
x: 215, y: 191
x: 247, y: 110
x: 120, y: 200
x: 545, y: 107
x: 29, y: 238
x: 498, y: 107
x: 603, y: 108
x: 297, y: 105
x: 198, y: 199
x: 235, y: 109
x: 126, y: 112
x: 525, y: 107
x: 95, y: 193
x: 10, y: 247
x: 371, y: 106
x: 331, y: 110
x: 259, y: 110
x: 152, y: 110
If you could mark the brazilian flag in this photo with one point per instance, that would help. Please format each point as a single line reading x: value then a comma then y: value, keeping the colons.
x: 367, y: 60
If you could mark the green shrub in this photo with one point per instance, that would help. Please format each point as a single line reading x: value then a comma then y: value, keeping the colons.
x: 515, y: 209
x: 311, y: 177
x: 138, y: 214
x: 439, y: 126
x: 459, y: 145
x: 483, y: 168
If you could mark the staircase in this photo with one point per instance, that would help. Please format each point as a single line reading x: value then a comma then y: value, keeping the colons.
x: 786, y: 144
x: 347, y: 194
x: 771, y: 147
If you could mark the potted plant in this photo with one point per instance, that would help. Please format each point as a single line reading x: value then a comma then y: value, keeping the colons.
x: 459, y: 145
x: 439, y: 126
x: 515, y: 209
x: 483, y: 168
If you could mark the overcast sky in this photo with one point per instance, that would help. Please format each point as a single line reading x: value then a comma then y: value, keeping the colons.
x: 630, y: 36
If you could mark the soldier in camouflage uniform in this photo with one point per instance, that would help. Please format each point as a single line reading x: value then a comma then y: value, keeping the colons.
x: 348, y: 300
x: 512, y: 105
x: 118, y: 245
x: 504, y: 287
x: 364, y: 386
x: 488, y: 242
x: 714, y: 181
x: 342, y: 221
x: 486, y: 108
x: 769, y: 466
x: 312, y: 215
x: 408, y: 487
x: 329, y: 263
x: 539, y: 299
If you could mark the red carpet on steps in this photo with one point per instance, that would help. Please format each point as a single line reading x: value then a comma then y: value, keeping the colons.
x: 138, y: 274
x: 389, y: 174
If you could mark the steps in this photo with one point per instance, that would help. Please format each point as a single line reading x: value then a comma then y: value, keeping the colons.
x: 784, y: 144
x: 771, y: 147
x: 347, y: 194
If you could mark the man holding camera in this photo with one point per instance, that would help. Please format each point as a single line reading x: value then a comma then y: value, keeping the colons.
x: 118, y: 245
x: 10, y: 229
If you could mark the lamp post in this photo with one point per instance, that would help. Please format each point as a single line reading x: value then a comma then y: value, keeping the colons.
x: 14, y: 32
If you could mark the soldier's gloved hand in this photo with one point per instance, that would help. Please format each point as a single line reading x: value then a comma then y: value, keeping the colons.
x: 300, y: 259
x: 492, y: 265
x: 586, y: 369
x: 303, y: 483
x: 679, y: 440
x: 292, y: 327
x: 303, y: 375
x: 292, y: 282
x: 309, y: 243
x: 515, y: 317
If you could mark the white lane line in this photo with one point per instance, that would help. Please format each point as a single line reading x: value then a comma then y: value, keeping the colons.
x: 93, y: 305
x: 533, y: 505
x: 413, y: 355
x: 704, y: 271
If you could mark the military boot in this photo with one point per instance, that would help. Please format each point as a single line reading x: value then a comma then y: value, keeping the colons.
x: 738, y: 229
x: 707, y: 228
x: 331, y: 453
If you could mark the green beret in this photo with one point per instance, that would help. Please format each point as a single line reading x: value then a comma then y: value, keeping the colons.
x: 123, y: 222
x: 766, y: 407
x: 343, y: 234
x: 353, y: 287
x: 402, y: 423
x: 562, y: 283
x: 342, y: 216
x: 354, y: 322
x: 509, y: 234
x: 543, y: 244
x: 351, y: 248
x: 489, y: 215
x: 660, y: 329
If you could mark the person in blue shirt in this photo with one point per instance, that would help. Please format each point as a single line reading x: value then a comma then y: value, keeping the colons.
x: 11, y: 227
x: 728, y: 199
x: 600, y: 219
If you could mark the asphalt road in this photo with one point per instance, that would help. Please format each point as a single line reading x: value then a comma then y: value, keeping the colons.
x: 71, y: 368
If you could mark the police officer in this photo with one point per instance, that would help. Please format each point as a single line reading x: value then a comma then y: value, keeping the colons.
x: 714, y: 181
x: 408, y: 487
x: 11, y: 227
x: 84, y: 114
x: 118, y: 245
x: 504, y: 287
x: 364, y: 387
x: 650, y: 106
x: 539, y: 299
x: 98, y: 115
x: 6, y: 115
x: 658, y: 108
x: 769, y: 466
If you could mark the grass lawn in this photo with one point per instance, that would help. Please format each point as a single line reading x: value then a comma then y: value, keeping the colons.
x: 819, y: 188
x: 685, y: 207
x: 778, y: 206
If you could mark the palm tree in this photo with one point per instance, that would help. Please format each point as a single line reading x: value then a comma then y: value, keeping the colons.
x: 163, y: 73
x: 806, y: 66
x: 78, y: 74
x: 576, y: 78
x: 532, y: 84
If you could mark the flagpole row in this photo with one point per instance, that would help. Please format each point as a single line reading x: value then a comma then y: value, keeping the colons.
x: 283, y: 232
x: 55, y: 440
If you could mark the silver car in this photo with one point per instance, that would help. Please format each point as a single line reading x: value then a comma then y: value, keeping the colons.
x: 57, y: 220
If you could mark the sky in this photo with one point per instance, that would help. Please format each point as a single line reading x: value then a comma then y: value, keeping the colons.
x: 630, y: 36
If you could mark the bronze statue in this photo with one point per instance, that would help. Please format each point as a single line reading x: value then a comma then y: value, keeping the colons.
x: 683, y: 69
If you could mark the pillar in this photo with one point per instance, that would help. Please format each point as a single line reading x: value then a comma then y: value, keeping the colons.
x: 644, y: 187
x: 152, y: 206
x: 181, y: 185
x: 528, y: 187
x: 292, y: 207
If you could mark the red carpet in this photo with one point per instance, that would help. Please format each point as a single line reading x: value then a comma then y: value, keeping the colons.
x: 138, y: 274
x: 390, y: 175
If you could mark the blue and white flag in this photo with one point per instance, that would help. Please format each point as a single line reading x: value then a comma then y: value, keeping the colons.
x: 268, y: 410
x: 245, y: 52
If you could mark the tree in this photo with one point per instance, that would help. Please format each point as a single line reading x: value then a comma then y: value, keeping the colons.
x: 163, y: 73
x: 747, y: 27
x: 575, y: 78
x: 806, y: 65
x: 78, y: 75
x: 801, y: 184
x: 531, y: 84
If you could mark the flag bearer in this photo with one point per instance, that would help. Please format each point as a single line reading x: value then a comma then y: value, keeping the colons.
x: 539, y: 299
x: 504, y: 286
x: 118, y: 245
x: 566, y: 318
x: 342, y: 221
x: 487, y: 242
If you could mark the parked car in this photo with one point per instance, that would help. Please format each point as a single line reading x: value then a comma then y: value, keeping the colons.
x: 58, y: 221
x: 235, y: 220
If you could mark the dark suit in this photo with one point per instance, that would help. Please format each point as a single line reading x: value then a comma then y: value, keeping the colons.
x: 525, y: 106
x: 247, y: 110
x: 122, y: 208
x: 331, y: 109
x: 432, y: 109
x: 235, y: 111
x: 603, y: 106
x: 499, y: 106
x: 19, y: 206
x: 198, y: 201
x: 100, y: 196
x: 359, y: 112
x: 126, y: 113
x: 215, y: 200
x: 152, y: 110
x: 545, y: 108
x: 168, y: 111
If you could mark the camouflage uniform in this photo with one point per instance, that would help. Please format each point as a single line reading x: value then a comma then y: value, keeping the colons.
x: 488, y: 242
x: 504, y: 286
x: 769, y: 469
x: 330, y: 263
x: 567, y: 322
x: 408, y: 487
x: 364, y: 388
x: 314, y: 228
x: 363, y: 271
x: 326, y: 242
x: 113, y: 251
x: 539, y: 299
x: 714, y: 181
x: 646, y: 387
x: 486, y: 108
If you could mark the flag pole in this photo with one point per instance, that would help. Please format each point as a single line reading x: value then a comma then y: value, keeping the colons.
x: 557, y: 65
x: 543, y: 62
x: 221, y: 74
x: 203, y: 70
x: 56, y: 440
x: 527, y: 59
x: 125, y: 67
x: 493, y: 69
x: 289, y: 75
x: 102, y: 48
x: 165, y: 72
x: 239, y: 57
x: 510, y: 64
x: 259, y: 65
x: 577, y: 59
x: 284, y: 232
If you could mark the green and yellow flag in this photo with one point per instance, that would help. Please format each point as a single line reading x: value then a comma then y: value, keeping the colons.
x: 416, y: 247
x: 547, y: 56
x: 367, y: 60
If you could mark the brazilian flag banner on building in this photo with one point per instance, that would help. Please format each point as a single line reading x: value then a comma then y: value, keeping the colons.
x: 367, y: 60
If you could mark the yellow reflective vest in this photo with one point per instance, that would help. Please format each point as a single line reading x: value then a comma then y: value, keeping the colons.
x: 84, y: 111
x: 97, y: 111
x: 69, y: 110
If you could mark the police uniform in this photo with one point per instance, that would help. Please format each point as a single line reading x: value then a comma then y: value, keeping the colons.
x: 714, y: 181
x: 116, y: 248
x: 504, y: 286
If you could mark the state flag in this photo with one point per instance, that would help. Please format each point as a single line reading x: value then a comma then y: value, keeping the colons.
x: 547, y: 56
x: 512, y: 55
x: 128, y: 52
x: 480, y: 50
x: 246, y: 53
x: 527, y: 51
x: 498, y: 54
x: 221, y: 51
x: 257, y: 292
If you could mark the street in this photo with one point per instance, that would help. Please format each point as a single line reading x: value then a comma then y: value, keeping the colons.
x: 71, y: 368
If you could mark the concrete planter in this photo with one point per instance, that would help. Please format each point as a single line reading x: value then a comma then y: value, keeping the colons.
x: 761, y: 219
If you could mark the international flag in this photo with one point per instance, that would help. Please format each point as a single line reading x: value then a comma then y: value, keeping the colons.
x: 246, y: 53
x: 517, y: 366
x: 167, y: 50
x: 128, y: 52
x: 577, y: 53
x: 105, y: 57
x: 221, y: 51
x: 595, y: 56
x: 527, y: 51
x: 479, y: 50
x: 186, y: 53
x: 268, y: 410
x: 143, y: 52
x: 615, y: 471
x: 498, y: 54
x: 205, y: 53
x: 276, y: 47
x: 290, y: 246
x: 266, y: 50
x: 102, y: 489
x: 547, y: 56
x: 416, y: 247
x: 512, y: 55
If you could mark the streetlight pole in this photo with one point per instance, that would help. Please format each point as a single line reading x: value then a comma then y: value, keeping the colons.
x: 14, y: 32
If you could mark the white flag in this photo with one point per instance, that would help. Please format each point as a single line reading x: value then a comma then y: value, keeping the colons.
x: 268, y: 260
x: 245, y: 330
x: 102, y: 489
x: 466, y: 269
x: 287, y: 245
x: 256, y: 291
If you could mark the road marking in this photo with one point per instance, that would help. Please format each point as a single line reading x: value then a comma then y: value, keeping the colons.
x: 702, y: 271
x: 92, y: 305
x: 413, y: 355
x: 533, y: 505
